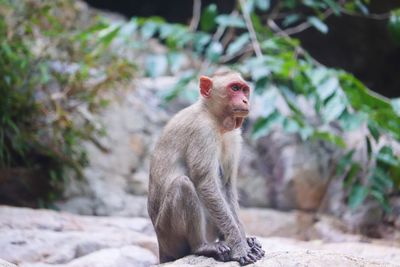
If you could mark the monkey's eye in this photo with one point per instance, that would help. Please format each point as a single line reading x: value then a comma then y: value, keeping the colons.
x: 235, y: 87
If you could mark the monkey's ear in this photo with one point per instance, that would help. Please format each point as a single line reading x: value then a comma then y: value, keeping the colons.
x: 205, y: 86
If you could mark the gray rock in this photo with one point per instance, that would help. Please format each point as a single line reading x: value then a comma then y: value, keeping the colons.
x: 297, y: 172
x: 113, y: 178
x: 44, y: 238
x: 47, y: 237
x: 126, y: 256
x: 267, y: 223
x: 3, y: 263
x: 304, y: 258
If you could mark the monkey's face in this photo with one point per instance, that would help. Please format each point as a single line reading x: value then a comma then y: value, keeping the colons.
x: 227, y: 97
x: 238, y: 93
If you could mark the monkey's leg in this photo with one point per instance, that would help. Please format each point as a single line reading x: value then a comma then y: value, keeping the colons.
x: 181, y: 225
x: 201, y: 233
x: 170, y: 225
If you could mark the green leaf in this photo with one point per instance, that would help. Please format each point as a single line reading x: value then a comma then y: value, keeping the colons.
x: 207, y: 19
x: 200, y: 41
x: 328, y: 87
x: 396, y: 105
x: 351, y: 121
x: 360, y: 97
x: 263, y: 5
x: 357, y: 195
x: 380, y: 197
x: 175, y: 61
x: 238, y: 44
x: 290, y: 126
x: 369, y: 147
x: 318, y: 24
x: 263, y: 125
x: 381, y: 179
x: 214, y: 51
x: 249, y: 6
x: 174, y: 91
x: 335, y: 106
x: 291, y: 19
x: 231, y: 21
x: 373, y: 130
x: 334, y: 6
x: 108, y: 35
x: 344, y: 162
x: 329, y: 137
x: 167, y: 30
x: 386, y: 155
x: 394, y: 25
x: 156, y: 65
x: 355, y: 169
x: 362, y: 7
x: 317, y: 75
x: 149, y: 29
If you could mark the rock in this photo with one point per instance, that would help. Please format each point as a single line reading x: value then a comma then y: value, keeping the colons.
x: 285, y: 258
x: 138, y: 183
x: 113, y: 257
x: 286, y: 252
x: 6, y: 264
x: 267, y: 222
x: 43, y: 238
x: 253, y: 187
x: 298, y: 172
x: 114, y: 178
x: 366, y: 218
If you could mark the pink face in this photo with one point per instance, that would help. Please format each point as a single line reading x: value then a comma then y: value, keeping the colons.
x: 238, y: 94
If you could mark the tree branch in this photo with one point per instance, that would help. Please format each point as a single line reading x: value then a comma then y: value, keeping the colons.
x: 250, y: 28
x: 194, y: 23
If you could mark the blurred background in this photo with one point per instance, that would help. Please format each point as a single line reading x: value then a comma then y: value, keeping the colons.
x: 87, y: 86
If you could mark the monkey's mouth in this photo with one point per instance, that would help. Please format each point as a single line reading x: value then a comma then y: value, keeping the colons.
x: 240, y: 112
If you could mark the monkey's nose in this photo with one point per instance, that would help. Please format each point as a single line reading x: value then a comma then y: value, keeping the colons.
x: 245, y: 101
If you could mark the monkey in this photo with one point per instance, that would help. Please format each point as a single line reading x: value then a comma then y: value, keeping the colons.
x: 192, y: 198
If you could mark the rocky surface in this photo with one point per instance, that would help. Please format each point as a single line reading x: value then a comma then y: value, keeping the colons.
x: 306, y: 258
x: 45, y: 238
x: 37, y: 238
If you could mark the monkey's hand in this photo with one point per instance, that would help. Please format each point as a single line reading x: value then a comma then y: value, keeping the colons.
x: 255, y: 247
x: 218, y: 250
x: 243, y: 254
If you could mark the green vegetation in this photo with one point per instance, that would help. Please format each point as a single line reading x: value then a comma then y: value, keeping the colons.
x: 54, y: 63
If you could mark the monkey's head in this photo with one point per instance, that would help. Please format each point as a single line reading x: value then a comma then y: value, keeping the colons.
x: 226, y: 96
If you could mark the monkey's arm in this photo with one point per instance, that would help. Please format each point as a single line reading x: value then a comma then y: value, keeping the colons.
x: 232, y: 198
x: 202, y: 161
x: 220, y: 211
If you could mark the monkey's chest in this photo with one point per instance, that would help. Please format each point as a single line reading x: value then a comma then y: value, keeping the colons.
x: 224, y: 168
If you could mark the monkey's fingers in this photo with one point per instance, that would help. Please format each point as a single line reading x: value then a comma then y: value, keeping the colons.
x: 250, y: 241
x: 224, y: 253
x: 252, y: 256
x: 253, y: 242
x: 258, y: 251
x: 245, y: 261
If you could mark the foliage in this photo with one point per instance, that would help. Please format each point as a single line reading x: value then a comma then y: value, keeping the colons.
x: 55, y: 62
x: 256, y: 39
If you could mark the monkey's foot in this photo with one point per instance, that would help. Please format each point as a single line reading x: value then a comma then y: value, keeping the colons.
x: 218, y: 250
x: 255, y: 247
